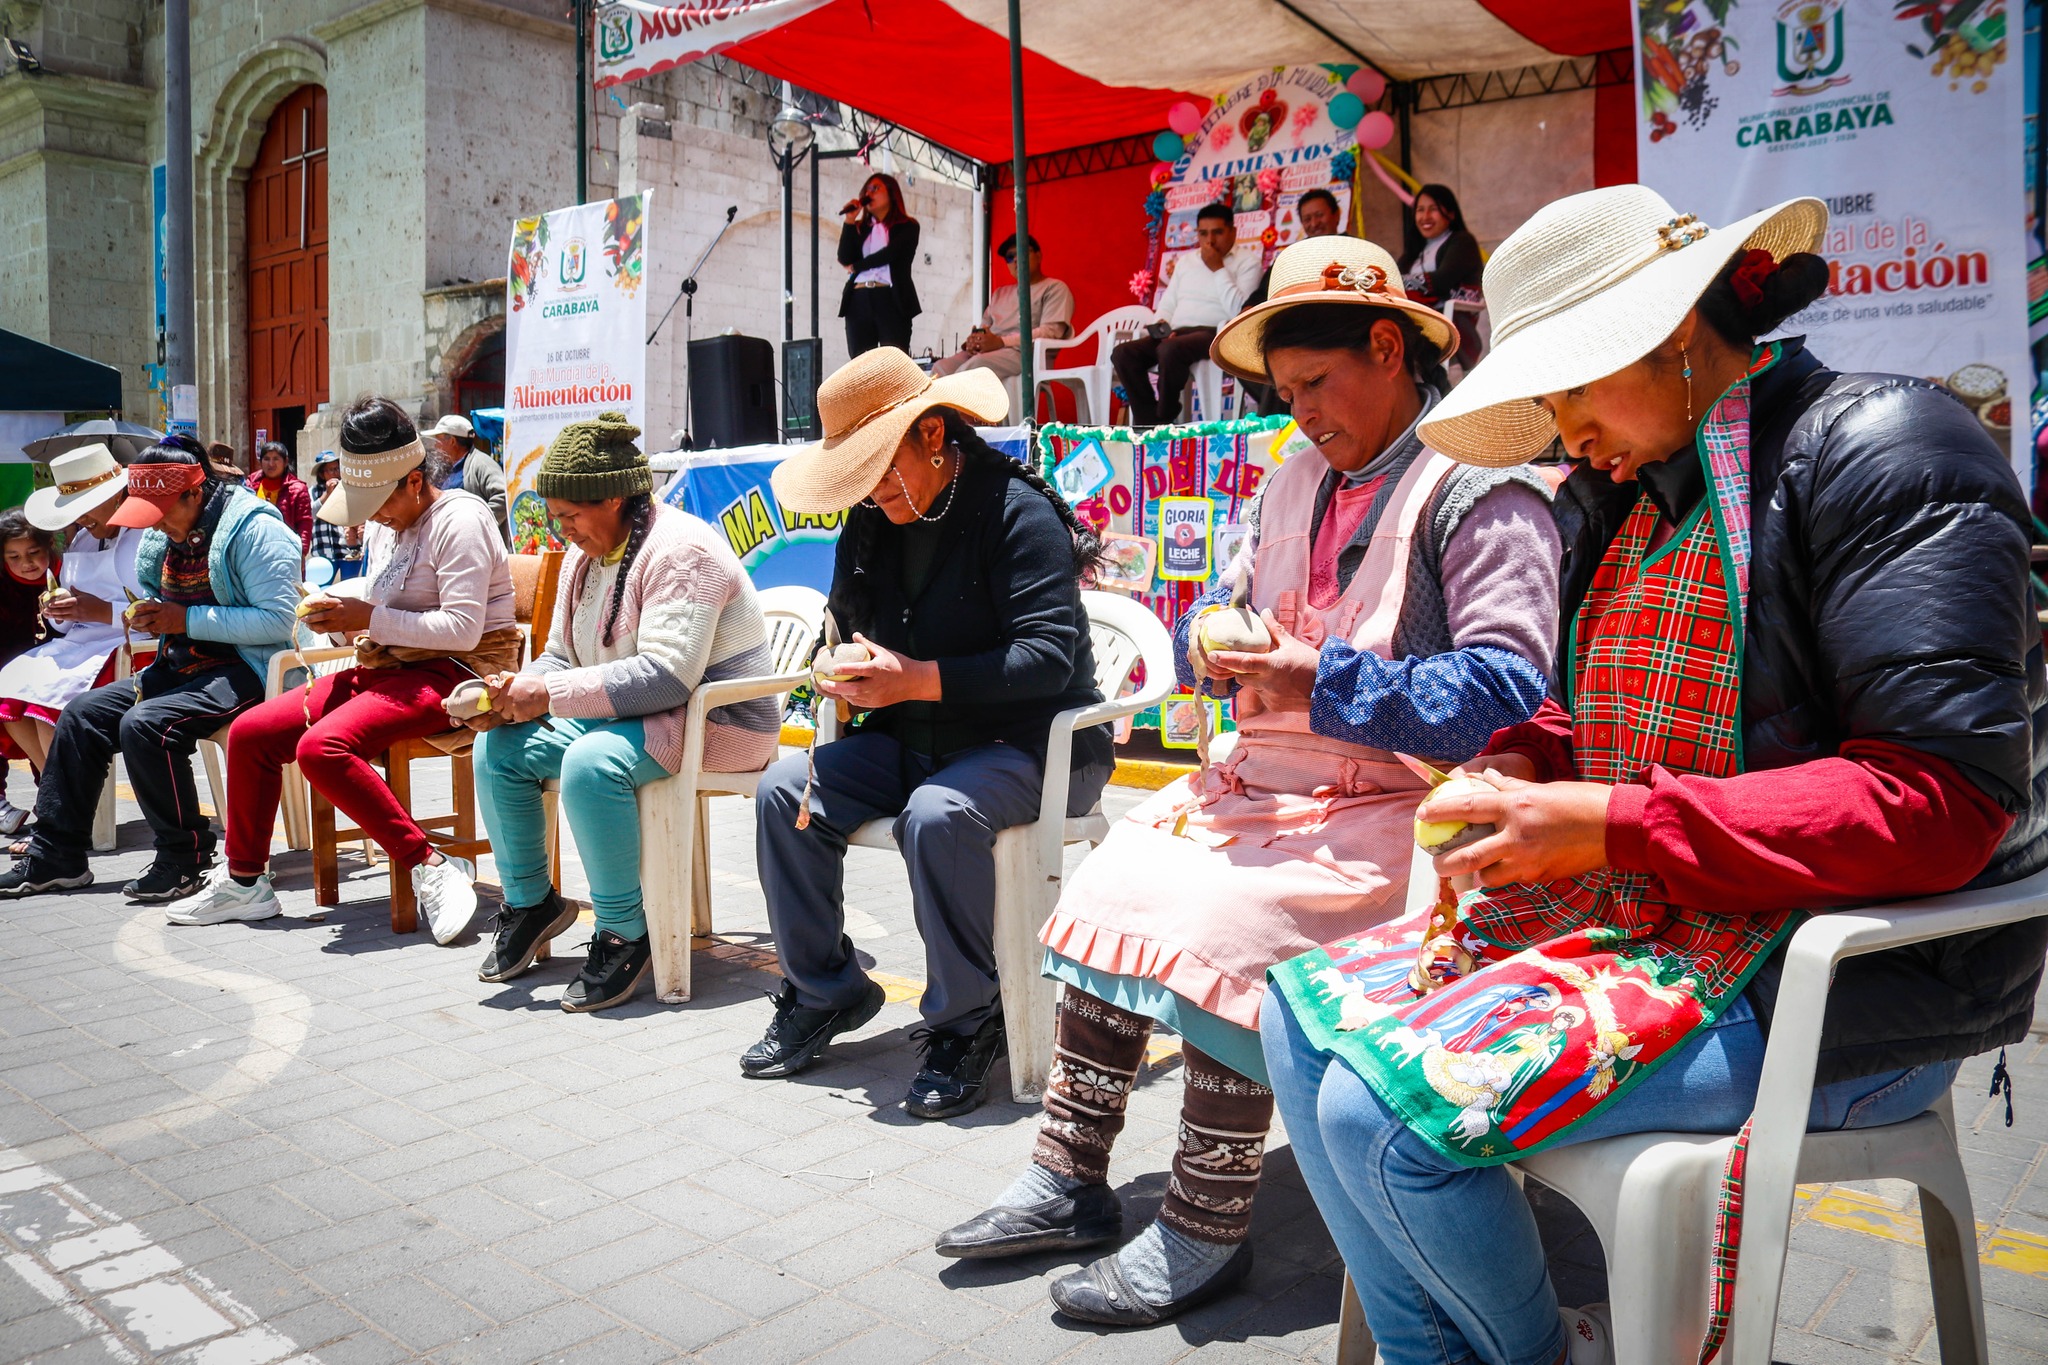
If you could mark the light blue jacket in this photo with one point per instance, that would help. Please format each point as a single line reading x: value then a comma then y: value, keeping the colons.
x: 254, y: 563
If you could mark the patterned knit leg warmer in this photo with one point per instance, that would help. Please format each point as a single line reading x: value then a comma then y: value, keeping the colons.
x: 1097, y: 1050
x: 1224, y: 1118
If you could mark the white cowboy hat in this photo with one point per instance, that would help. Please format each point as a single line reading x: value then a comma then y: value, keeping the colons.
x: 866, y: 405
x: 1324, y: 270
x: 1589, y: 285
x: 80, y: 480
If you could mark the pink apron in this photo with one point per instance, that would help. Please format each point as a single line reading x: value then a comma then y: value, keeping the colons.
x: 1292, y: 840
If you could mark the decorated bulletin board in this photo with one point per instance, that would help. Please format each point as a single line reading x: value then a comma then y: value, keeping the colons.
x: 1169, y: 504
x: 1259, y: 148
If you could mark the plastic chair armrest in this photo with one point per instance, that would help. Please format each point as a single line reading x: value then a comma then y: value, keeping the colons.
x: 725, y: 692
x: 1785, y: 1090
x: 1059, y: 757
x: 273, y: 685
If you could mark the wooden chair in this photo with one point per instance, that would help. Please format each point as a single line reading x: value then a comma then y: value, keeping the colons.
x: 534, y: 582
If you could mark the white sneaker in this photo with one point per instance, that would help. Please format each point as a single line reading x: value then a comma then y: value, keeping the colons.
x: 447, y: 897
x: 223, y: 899
x: 1589, y: 1334
x: 12, y: 817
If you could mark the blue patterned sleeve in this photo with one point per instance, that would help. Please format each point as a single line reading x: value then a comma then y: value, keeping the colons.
x: 1446, y: 706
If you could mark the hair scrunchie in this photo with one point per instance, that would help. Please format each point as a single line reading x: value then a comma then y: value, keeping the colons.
x: 1750, y: 277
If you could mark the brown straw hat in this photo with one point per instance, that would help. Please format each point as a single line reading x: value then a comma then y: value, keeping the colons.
x: 1324, y: 270
x: 1588, y: 286
x: 867, y: 405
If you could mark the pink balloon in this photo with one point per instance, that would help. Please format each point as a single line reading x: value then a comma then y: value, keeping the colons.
x: 1367, y: 84
x: 1375, y: 130
x: 1184, y: 118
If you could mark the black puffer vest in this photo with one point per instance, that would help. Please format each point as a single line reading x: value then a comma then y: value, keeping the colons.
x: 1888, y: 600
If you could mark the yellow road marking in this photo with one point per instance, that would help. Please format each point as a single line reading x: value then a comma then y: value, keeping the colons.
x: 2021, y: 1253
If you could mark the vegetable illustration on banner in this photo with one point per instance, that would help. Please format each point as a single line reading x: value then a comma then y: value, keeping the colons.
x: 575, y: 323
x: 1747, y: 103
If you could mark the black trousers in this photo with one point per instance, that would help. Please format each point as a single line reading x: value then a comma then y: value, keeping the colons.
x: 1175, y: 355
x: 156, y: 736
x: 947, y: 814
x: 874, y: 317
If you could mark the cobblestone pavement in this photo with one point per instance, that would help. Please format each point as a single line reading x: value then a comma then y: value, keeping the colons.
x: 312, y: 1139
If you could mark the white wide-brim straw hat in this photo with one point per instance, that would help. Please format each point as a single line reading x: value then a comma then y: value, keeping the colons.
x: 1588, y: 286
x: 367, y: 480
x: 867, y: 405
x: 1344, y: 270
x: 80, y: 480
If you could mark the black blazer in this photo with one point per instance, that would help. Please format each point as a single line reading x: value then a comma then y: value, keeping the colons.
x: 898, y: 255
x: 1457, y: 267
x: 999, y: 610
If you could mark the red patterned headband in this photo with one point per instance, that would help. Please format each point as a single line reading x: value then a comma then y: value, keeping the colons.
x: 163, y: 482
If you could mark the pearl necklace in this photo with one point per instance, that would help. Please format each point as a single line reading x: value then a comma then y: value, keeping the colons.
x: 952, y: 487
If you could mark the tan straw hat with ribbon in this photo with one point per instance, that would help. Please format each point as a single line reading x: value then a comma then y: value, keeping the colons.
x: 367, y: 480
x: 1324, y: 270
x: 1588, y: 286
x: 80, y: 480
x: 867, y: 405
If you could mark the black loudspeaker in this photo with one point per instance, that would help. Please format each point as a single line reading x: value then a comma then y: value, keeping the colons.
x: 732, y: 392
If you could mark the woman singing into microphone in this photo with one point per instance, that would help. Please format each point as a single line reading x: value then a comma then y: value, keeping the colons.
x: 877, y: 246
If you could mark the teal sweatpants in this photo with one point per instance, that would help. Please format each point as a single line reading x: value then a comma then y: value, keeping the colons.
x: 600, y: 763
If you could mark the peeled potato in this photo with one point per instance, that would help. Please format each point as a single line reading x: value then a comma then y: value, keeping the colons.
x: 1238, y: 629
x: 1436, y: 837
x: 829, y: 664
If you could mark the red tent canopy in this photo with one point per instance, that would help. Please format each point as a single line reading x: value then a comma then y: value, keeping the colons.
x: 926, y: 68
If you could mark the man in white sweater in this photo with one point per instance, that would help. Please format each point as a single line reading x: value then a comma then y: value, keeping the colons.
x: 1205, y: 292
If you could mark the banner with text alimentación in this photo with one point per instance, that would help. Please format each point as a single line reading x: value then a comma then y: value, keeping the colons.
x: 1907, y: 120
x: 575, y: 336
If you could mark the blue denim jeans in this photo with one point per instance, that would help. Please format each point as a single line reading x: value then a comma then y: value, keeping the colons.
x: 1446, y: 1258
x: 601, y: 764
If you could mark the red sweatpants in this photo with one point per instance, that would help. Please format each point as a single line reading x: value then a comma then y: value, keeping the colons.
x: 357, y: 711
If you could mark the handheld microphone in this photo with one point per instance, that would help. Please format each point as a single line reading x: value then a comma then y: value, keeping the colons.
x: 851, y: 206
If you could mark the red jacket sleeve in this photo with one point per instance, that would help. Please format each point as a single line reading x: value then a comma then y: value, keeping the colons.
x: 297, y: 505
x: 1879, y: 821
x: 1545, y: 739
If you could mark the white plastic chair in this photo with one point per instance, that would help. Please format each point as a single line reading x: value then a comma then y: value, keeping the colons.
x: 1091, y: 383
x: 1205, y: 387
x: 675, y: 864
x: 1651, y: 1196
x: 212, y: 754
x: 1030, y: 859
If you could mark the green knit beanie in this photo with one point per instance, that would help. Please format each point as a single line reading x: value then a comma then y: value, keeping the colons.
x: 590, y: 461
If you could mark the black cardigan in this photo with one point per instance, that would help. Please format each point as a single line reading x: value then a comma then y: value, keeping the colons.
x: 898, y: 255
x: 1458, y: 266
x: 1000, y: 612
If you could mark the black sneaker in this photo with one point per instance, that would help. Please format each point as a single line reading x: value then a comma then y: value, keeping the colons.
x: 954, y: 1077
x: 163, y: 882
x: 614, y: 970
x: 32, y: 876
x: 518, y: 934
x: 797, y: 1035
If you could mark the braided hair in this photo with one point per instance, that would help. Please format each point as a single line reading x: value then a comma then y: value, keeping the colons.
x: 638, y: 514
x: 850, y: 603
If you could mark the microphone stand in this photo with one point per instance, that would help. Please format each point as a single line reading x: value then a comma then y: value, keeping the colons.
x: 687, y: 296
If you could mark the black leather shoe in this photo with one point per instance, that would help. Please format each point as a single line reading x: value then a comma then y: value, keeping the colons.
x: 612, y: 973
x: 518, y: 933
x: 954, y: 1078
x: 797, y: 1035
x: 1082, y: 1217
x: 1099, y: 1293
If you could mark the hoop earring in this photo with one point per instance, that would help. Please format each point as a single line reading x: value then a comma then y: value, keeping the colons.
x: 1686, y: 360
